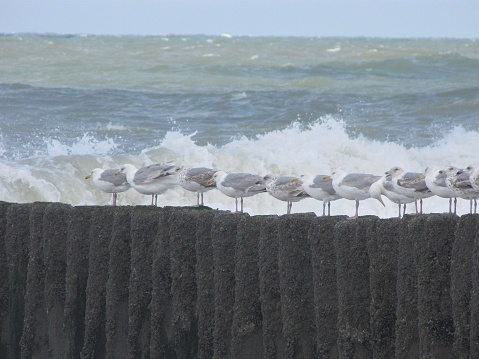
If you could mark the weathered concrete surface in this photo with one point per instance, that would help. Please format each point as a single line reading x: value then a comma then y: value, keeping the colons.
x: 143, y: 282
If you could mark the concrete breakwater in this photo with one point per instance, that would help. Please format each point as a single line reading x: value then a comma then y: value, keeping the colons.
x: 142, y: 282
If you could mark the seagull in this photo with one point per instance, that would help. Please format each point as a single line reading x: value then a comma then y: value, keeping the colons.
x: 353, y: 186
x: 410, y: 184
x: 196, y: 180
x: 106, y: 180
x: 151, y: 180
x: 384, y: 186
x: 458, y: 180
x: 239, y: 185
x: 435, y: 178
x: 287, y: 188
x: 321, y: 189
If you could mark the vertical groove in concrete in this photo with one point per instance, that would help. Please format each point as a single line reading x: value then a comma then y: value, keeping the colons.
x: 461, y: 283
x: 16, y: 245
x: 352, y: 271
x: 323, y: 256
x: 184, y: 321
x: 433, y: 251
x: 407, y: 335
x: 4, y: 285
x: 95, y: 319
x: 117, y: 285
x: 77, y: 254
x: 474, y: 304
x: 205, y: 285
x: 34, y: 340
x: 161, y: 299
x: 296, y: 283
x: 223, y: 234
x: 383, y: 257
x: 270, y: 293
x: 144, y: 229
x: 55, y: 233
x: 247, y: 334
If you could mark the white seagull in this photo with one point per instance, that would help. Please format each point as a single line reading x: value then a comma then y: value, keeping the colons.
x: 239, y: 185
x: 384, y: 186
x: 288, y: 189
x: 321, y: 188
x: 106, y: 181
x: 353, y: 186
x: 458, y: 180
x: 196, y: 180
x: 435, y: 178
x: 410, y: 184
x: 151, y: 180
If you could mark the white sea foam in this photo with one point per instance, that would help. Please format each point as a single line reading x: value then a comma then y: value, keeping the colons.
x: 82, y: 146
x: 296, y: 150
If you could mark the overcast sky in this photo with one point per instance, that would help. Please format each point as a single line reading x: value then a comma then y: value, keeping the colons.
x: 380, y: 18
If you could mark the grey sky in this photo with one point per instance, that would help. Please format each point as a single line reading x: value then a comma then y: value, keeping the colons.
x: 381, y: 18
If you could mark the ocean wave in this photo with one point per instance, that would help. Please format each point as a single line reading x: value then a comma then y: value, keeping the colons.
x: 299, y: 149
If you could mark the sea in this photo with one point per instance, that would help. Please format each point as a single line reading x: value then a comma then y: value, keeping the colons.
x: 266, y: 105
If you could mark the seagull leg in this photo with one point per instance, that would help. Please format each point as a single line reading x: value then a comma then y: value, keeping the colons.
x: 236, y: 202
x: 289, y: 206
x: 357, y: 211
x: 415, y: 203
x: 329, y: 208
x: 114, y: 199
x: 241, y: 204
x: 420, y: 202
x: 324, y: 208
x: 470, y: 206
x: 450, y: 205
x: 399, y: 210
x: 152, y: 199
x: 197, y: 199
x: 201, y: 202
x: 455, y: 205
x: 404, y: 210
x: 475, y: 206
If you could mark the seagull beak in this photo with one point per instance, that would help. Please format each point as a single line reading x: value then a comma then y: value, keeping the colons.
x: 326, y: 177
x: 88, y: 177
x: 210, y: 181
x: 294, y: 180
x: 381, y: 200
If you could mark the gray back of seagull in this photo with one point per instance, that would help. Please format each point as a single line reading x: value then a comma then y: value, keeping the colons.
x: 243, y: 181
x: 109, y: 176
x: 360, y: 180
x: 152, y: 172
x: 325, y: 184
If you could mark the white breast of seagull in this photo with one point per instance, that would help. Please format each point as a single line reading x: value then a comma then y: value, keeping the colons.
x: 320, y: 188
x: 196, y: 179
x: 287, y: 188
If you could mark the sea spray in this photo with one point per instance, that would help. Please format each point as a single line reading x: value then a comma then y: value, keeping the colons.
x: 297, y: 150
